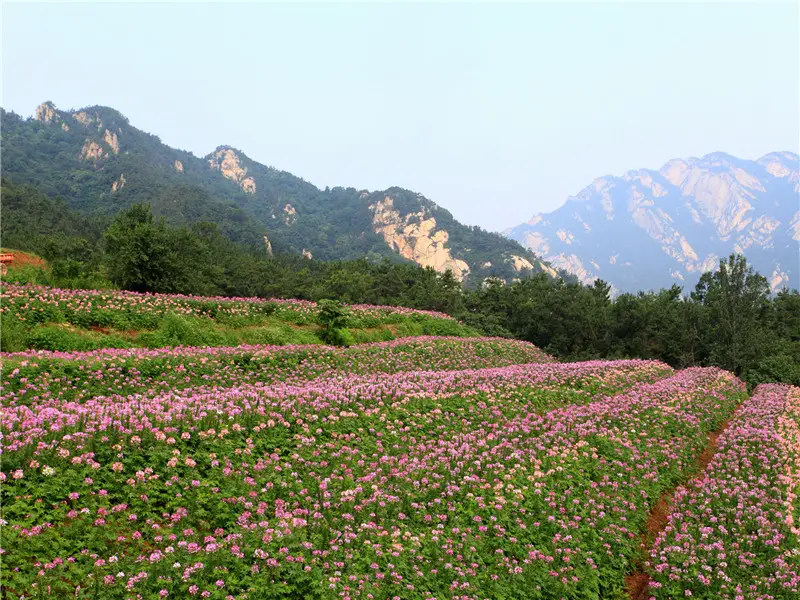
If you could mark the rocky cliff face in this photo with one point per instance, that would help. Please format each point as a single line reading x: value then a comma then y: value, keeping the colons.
x: 649, y: 229
x: 415, y: 237
x: 227, y: 162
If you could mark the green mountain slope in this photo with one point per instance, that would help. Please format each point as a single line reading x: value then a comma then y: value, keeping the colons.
x: 99, y: 164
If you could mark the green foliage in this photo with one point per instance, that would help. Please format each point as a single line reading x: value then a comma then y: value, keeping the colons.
x: 333, y: 318
x: 13, y: 334
x: 145, y: 255
x: 59, y: 337
x: 177, y: 330
x: 782, y: 367
x: 737, y: 303
x: 29, y: 274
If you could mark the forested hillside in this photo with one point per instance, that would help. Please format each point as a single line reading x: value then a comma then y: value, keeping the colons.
x: 99, y: 164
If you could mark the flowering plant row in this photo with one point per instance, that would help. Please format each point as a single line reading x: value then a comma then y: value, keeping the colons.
x: 734, y: 534
x: 525, y: 481
x: 122, y: 309
x: 45, y: 419
x: 30, y: 376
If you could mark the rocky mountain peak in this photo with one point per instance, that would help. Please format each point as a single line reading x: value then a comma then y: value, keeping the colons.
x: 46, y: 113
x: 228, y: 162
x: 657, y: 227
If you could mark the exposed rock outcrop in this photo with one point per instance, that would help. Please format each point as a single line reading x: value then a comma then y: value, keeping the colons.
x: 521, y: 264
x: 85, y: 118
x: 112, y: 140
x: 93, y: 151
x: 416, y: 238
x: 178, y: 166
x: 46, y: 113
x: 227, y: 162
x: 289, y: 215
x: 268, y: 246
x: 118, y: 184
x: 307, y: 254
x: 249, y: 185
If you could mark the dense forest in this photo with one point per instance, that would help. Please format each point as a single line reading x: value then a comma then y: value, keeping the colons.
x: 729, y: 320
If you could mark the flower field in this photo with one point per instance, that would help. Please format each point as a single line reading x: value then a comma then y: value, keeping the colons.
x: 104, y: 307
x: 79, y: 375
x: 459, y: 468
x: 397, y: 470
x: 734, y: 534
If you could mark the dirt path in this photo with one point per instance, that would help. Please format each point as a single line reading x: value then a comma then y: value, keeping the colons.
x: 637, y: 584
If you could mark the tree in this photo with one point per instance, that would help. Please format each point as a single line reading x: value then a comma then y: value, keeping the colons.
x: 737, y: 299
x: 141, y: 255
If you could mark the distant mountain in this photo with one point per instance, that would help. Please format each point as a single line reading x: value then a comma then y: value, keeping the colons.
x: 650, y: 229
x: 99, y: 164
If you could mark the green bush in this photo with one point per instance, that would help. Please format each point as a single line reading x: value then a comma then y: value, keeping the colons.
x: 29, y: 274
x: 781, y: 368
x: 176, y: 330
x: 333, y: 318
x: 13, y: 337
x: 445, y: 327
x: 339, y: 337
x: 60, y: 338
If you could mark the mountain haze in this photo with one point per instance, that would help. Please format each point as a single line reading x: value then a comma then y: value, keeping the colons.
x: 650, y: 229
x: 99, y: 163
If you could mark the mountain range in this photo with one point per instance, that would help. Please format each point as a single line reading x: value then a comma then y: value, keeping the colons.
x: 646, y: 229
x: 97, y: 162
x: 649, y: 229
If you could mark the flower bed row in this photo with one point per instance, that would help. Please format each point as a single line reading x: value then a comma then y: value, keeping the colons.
x: 122, y: 309
x: 460, y: 485
x: 30, y: 376
x: 734, y: 533
x: 46, y: 419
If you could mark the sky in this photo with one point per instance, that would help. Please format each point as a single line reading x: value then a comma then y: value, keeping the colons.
x: 494, y: 111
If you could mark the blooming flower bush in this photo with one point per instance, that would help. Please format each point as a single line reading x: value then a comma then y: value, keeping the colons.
x: 408, y: 472
x: 734, y: 533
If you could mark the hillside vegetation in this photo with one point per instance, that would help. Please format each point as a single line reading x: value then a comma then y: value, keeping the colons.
x: 100, y: 164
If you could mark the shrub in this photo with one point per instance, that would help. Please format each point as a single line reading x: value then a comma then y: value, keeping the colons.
x: 333, y: 319
x: 12, y: 335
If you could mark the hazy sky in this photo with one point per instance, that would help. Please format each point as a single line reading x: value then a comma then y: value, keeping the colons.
x: 493, y: 111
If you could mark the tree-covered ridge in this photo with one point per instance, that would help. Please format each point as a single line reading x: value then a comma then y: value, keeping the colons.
x: 99, y: 164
